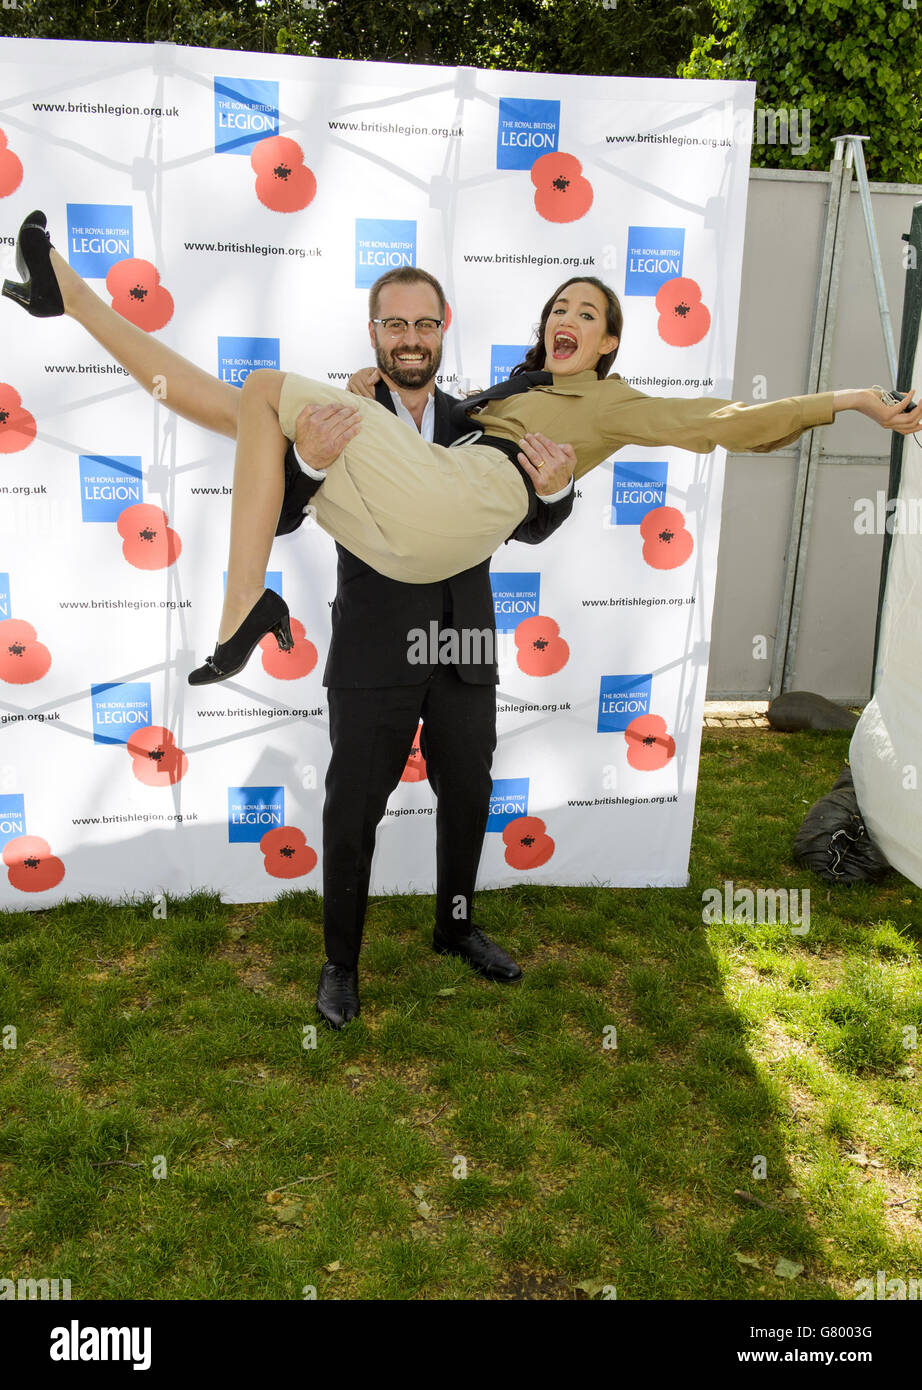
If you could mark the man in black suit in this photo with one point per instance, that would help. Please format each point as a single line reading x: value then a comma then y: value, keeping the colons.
x: 376, y: 694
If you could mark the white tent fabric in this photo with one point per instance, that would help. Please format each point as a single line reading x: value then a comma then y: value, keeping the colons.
x: 885, y: 747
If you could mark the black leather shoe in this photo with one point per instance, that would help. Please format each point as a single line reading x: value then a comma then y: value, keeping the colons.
x: 482, y: 954
x: 268, y: 614
x: 38, y: 294
x: 338, y: 995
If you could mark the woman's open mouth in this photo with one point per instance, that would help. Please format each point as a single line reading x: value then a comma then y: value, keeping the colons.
x: 565, y: 345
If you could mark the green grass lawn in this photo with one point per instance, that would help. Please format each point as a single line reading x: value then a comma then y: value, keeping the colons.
x: 174, y: 1047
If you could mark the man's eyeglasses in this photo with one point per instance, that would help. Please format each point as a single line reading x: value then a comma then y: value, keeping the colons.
x: 401, y: 325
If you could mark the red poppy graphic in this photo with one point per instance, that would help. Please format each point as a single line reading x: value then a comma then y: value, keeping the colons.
x: 562, y: 194
x: 288, y: 855
x: 23, y: 658
x: 138, y: 295
x: 17, y: 426
x: 649, y: 747
x: 148, y: 542
x: 527, y: 842
x: 290, y: 665
x: 10, y: 169
x: 283, y: 181
x: 32, y: 866
x: 446, y: 322
x: 683, y: 319
x: 155, y: 759
x: 415, y: 770
x: 542, y: 650
x: 666, y: 543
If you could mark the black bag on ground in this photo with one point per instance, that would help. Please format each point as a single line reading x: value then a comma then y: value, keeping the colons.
x: 833, y: 840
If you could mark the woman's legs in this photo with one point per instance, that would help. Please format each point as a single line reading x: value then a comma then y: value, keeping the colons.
x: 259, y: 474
x: 183, y: 387
x: 250, y: 415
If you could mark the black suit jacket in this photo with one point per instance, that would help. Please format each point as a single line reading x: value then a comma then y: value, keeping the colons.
x: 372, y: 614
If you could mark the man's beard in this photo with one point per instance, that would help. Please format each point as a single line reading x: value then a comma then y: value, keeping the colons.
x: 411, y: 376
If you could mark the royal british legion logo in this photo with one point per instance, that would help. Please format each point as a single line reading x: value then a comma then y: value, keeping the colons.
x: 98, y: 236
x: 636, y: 489
x: 109, y: 484
x: 120, y: 708
x: 382, y: 244
x: 12, y: 816
x: 251, y: 811
x: 515, y: 597
x: 245, y: 111
x: 622, y: 699
x: 4, y: 596
x: 503, y: 357
x: 237, y: 357
x: 526, y: 131
x: 654, y: 255
x: 508, y: 801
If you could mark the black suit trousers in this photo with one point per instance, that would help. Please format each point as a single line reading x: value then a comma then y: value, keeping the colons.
x: 372, y: 732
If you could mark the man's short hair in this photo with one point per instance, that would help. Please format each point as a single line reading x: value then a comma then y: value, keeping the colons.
x: 404, y: 275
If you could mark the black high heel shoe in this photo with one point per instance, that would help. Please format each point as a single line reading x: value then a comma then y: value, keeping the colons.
x: 39, y: 294
x: 268, y: 614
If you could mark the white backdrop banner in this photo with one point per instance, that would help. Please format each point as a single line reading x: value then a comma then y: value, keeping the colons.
x: 239, y: 205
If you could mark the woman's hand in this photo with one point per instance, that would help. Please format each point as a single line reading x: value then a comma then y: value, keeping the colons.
x: 362, y: 382
x: 550, y: 466
x: 892, y: 417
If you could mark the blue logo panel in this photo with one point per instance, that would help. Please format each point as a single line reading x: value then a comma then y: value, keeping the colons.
x: 119, y: 710
x: 515, y: 597
x: 251, y: 811
x: 526, y: 131
x: 99, y: 235
x: 622, y: 699
x: 654, y: 255
x: 4, y: 596
x: 381, y: 244
x: 503, y: 357
x: 246, y: 111
x: 636, y: 489
x: 237, y: 357
x: 12, y: 816
x: 109, y: 484
x: 508, y: 801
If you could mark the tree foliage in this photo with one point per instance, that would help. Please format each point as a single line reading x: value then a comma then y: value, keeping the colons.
x: 853, y: 64
x: 644, y: 38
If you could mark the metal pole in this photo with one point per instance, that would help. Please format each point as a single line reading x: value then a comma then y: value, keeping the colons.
x: 855, y: 149
x: 788, y: 623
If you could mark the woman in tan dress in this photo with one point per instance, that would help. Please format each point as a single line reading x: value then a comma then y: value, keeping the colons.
x: 419, y: 512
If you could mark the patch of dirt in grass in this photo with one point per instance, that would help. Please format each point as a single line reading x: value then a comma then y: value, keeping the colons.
x: 252, y: 962
x: 776, y: 1042
x: 520, y: 1284
x: 903, y: 1198
x: 63, y: 1066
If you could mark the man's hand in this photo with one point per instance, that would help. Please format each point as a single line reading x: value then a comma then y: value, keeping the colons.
x: 550, y: 466
x: 362, y: 382
x: 322, y: 432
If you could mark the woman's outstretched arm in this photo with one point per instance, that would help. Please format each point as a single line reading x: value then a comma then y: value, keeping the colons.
x: 194, y: 394
x: 703, y: 423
